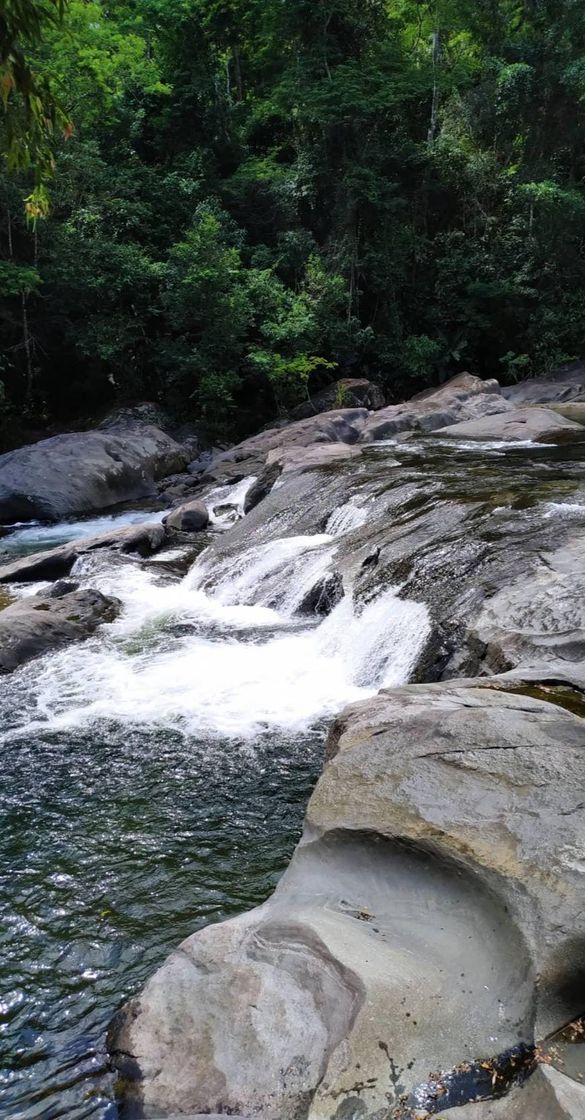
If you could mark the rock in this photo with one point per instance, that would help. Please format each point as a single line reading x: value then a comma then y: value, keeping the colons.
x: 572, y: 410
x: 567, y: 383
x: 262, y: 486
x: 84, y: 471
x: 191, y: 517
x: 56, y: 562
x: 307, y: 458
x: 548, y: 1095
x: 146, y: 412
x: 540, y: 617
x: 340, y: 426
x: 432, y: 916
x: 539, y: 425
x: 464, y: 397
x: 323, y: 597
x: 32, y: 626
x: 348, y: 392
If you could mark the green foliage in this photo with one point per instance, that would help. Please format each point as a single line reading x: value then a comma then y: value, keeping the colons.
x: 255, y: 197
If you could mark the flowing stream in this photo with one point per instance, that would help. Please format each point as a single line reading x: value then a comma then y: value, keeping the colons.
x: 154, y: 777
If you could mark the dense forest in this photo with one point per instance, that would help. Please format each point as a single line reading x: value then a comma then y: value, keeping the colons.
x: 224, y: 204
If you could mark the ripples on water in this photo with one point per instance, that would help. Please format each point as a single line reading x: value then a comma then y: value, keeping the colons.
x: 154, y: 779
x: 116, y: 845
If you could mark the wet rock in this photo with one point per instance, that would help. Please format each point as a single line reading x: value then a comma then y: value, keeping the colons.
x: 39, y: 623
x: 348, y: 392
x: 53, y: 563
x: 547, y: 1096
x: 462, y: 398
x: 262, y: 486
x: 323, y: 597
x: 540, y: 425
x: 192, y: 517
x: 538, y: 618
x: 441, y: 872
x: 84, y: 471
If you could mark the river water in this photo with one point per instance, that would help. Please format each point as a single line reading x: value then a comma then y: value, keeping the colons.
x: 154, y: 778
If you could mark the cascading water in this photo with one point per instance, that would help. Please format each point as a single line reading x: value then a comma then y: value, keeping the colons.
x: 243, y: 662
x: 161, y: 765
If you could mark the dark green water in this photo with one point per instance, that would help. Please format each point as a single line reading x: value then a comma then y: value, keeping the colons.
x: 114, y: 845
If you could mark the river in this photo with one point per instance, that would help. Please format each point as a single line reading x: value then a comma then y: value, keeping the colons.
x: 154, y: 777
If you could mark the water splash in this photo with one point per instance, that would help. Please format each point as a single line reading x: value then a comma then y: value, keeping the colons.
x: 226, y: 660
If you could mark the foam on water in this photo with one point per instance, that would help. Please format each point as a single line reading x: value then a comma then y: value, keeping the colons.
x: 565, y: 509
x: 345, y: 518
x: 231, y: 497
x: 223, y: 657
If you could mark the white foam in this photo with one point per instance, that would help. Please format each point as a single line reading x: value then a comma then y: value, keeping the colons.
x: 242, y: 666
x: 232, y: 497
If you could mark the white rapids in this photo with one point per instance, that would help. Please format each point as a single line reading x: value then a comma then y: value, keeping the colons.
x: 223, y: 653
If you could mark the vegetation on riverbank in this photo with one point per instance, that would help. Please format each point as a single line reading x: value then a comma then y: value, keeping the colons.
x: 250, y: 198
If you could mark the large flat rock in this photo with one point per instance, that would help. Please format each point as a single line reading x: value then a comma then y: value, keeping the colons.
x: 539, y: 425
x: 432, y: 915
x: 84, y: 471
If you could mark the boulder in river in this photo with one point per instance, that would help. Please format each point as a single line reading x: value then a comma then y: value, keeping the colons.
x: 538, y: 425
x: 191, y: 517
x: 429, y: 929
x: 53, y: 563
x: 50, y: 620
x: 83, y: 471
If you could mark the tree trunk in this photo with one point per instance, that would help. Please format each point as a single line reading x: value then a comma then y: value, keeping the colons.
x: 239, y: 82
x: 27, y: 343
x: 436, y: 49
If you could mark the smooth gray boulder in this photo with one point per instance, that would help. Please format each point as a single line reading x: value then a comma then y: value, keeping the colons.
x: 432, y: 918
x: 84, y: 471
x: 538, y: 425
x: 191, y: 517
x: 464, y: 397
x: 39, y: 623
x: 53, y: 563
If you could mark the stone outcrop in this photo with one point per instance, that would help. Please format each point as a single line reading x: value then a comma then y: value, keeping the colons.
x: 348, y: 392
x: 53, y: 563
x: 567, y: 383
x: 538, y: 425
x: 328, y: 436
x: 84, y: 471
x: 431, y: 920
x: 464, y: 397
x: 539, y: 618
x: 191, y: 517
x: 39, y: 623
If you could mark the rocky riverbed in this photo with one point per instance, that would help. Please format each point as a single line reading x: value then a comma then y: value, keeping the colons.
x: 422, y: 953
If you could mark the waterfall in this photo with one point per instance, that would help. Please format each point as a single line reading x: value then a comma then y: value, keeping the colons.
x: 224, y: 652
